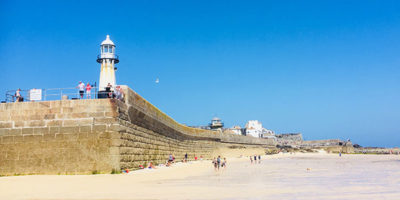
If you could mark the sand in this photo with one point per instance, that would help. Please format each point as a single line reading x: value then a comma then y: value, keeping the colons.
x: 282, y: 176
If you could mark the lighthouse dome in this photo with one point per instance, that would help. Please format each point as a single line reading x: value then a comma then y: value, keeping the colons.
x: 108, y: 41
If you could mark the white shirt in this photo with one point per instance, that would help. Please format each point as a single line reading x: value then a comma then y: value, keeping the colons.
x: 81, y: 87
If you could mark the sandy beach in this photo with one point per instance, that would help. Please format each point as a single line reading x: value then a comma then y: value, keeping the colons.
x: 281, y: 176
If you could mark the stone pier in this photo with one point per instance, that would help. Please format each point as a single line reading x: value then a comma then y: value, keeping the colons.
x: 102, y: 135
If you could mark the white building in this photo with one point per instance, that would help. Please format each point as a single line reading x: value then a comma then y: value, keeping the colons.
x: 237, y: 130
x: 268, y: 134
x: 254, y: 128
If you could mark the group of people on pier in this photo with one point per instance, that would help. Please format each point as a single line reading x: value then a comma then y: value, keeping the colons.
x: 83, y: 88
x: 109, y: 90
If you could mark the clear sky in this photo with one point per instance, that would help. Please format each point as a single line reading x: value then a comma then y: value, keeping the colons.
x: 327, y: 69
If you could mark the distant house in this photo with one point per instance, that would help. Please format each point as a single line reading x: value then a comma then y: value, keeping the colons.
x: 268, y: 134
x: 254, y: 128
x: 236, y: 130
x: 216, y: 123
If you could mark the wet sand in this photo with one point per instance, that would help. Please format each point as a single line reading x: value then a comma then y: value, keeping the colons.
x: 283, y: 176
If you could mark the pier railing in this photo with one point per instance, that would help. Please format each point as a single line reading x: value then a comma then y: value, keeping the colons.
x: 51, y: 94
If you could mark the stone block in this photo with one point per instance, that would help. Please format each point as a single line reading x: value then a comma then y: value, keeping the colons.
x: 80, y: 114
x: 59, y: 137
x: 49, y: 116
x: 70, y: 129
x: 36, y: 117
x: 111, y: 114
x: 71, y: 137
x: 116, y: 142
x: 15, y: 131
x: 7, y: 139
x: 4, y: 131
x: 87, y: 121
x: 99, y: 128
x: 4, y: 116
x: 6, y: 125
x: 40, y: 131
x: 18, y: 124
x: 54, y: 123
x: 105, y: 120
x: 82, y: 136
x: 43, y: 105
x: 18, y: 139
x: 49, y: 137
x: 93, y: 137
x: 32, y: 138
x: 36, y: 123
x: 85, y: 129
x: 54, y: 130
x: 114, y: 151
x: 62, y: 115
x: 71, y: 122
x: 54, y: 110
x: 66, y: 110
x: 55, y: 104
x: 95, y: 114
x: 27, y: 131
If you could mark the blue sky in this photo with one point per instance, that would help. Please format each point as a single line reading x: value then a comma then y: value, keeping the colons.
x: 327, y: 69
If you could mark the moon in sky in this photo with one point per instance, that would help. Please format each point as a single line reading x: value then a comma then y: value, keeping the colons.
x: 157, y: 81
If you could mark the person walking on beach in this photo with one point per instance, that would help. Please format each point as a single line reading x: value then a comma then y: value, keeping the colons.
x: 81, y: 87
x: 186, y: 157
x: 259, y: 159
x: 88, y: 89
x: 219, y: 161
x: 251, y: 160
x: 214, y: 162
x: 224, y: 163
x: 255, y: 159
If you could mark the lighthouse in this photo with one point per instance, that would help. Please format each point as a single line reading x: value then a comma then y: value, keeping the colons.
x: 107, y: 60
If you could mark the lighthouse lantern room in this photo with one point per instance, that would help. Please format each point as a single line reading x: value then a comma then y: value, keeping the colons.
x: 107, y: 60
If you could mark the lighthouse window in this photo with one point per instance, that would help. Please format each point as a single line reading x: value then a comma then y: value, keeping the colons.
x: 105, y: 49
x: 111, y: 49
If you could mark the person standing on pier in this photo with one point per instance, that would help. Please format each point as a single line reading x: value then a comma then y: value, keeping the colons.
x: 18, y: 95
x: 88, y: 88
x: 108, y: 90
x: 81, y: 87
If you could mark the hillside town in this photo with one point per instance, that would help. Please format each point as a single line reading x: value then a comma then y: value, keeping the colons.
x: 287, y: 141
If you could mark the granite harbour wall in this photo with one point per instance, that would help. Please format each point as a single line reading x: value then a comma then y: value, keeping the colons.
x: 102, y: 135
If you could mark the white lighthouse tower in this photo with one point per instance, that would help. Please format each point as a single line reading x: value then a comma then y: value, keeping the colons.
x: 107, y: 59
